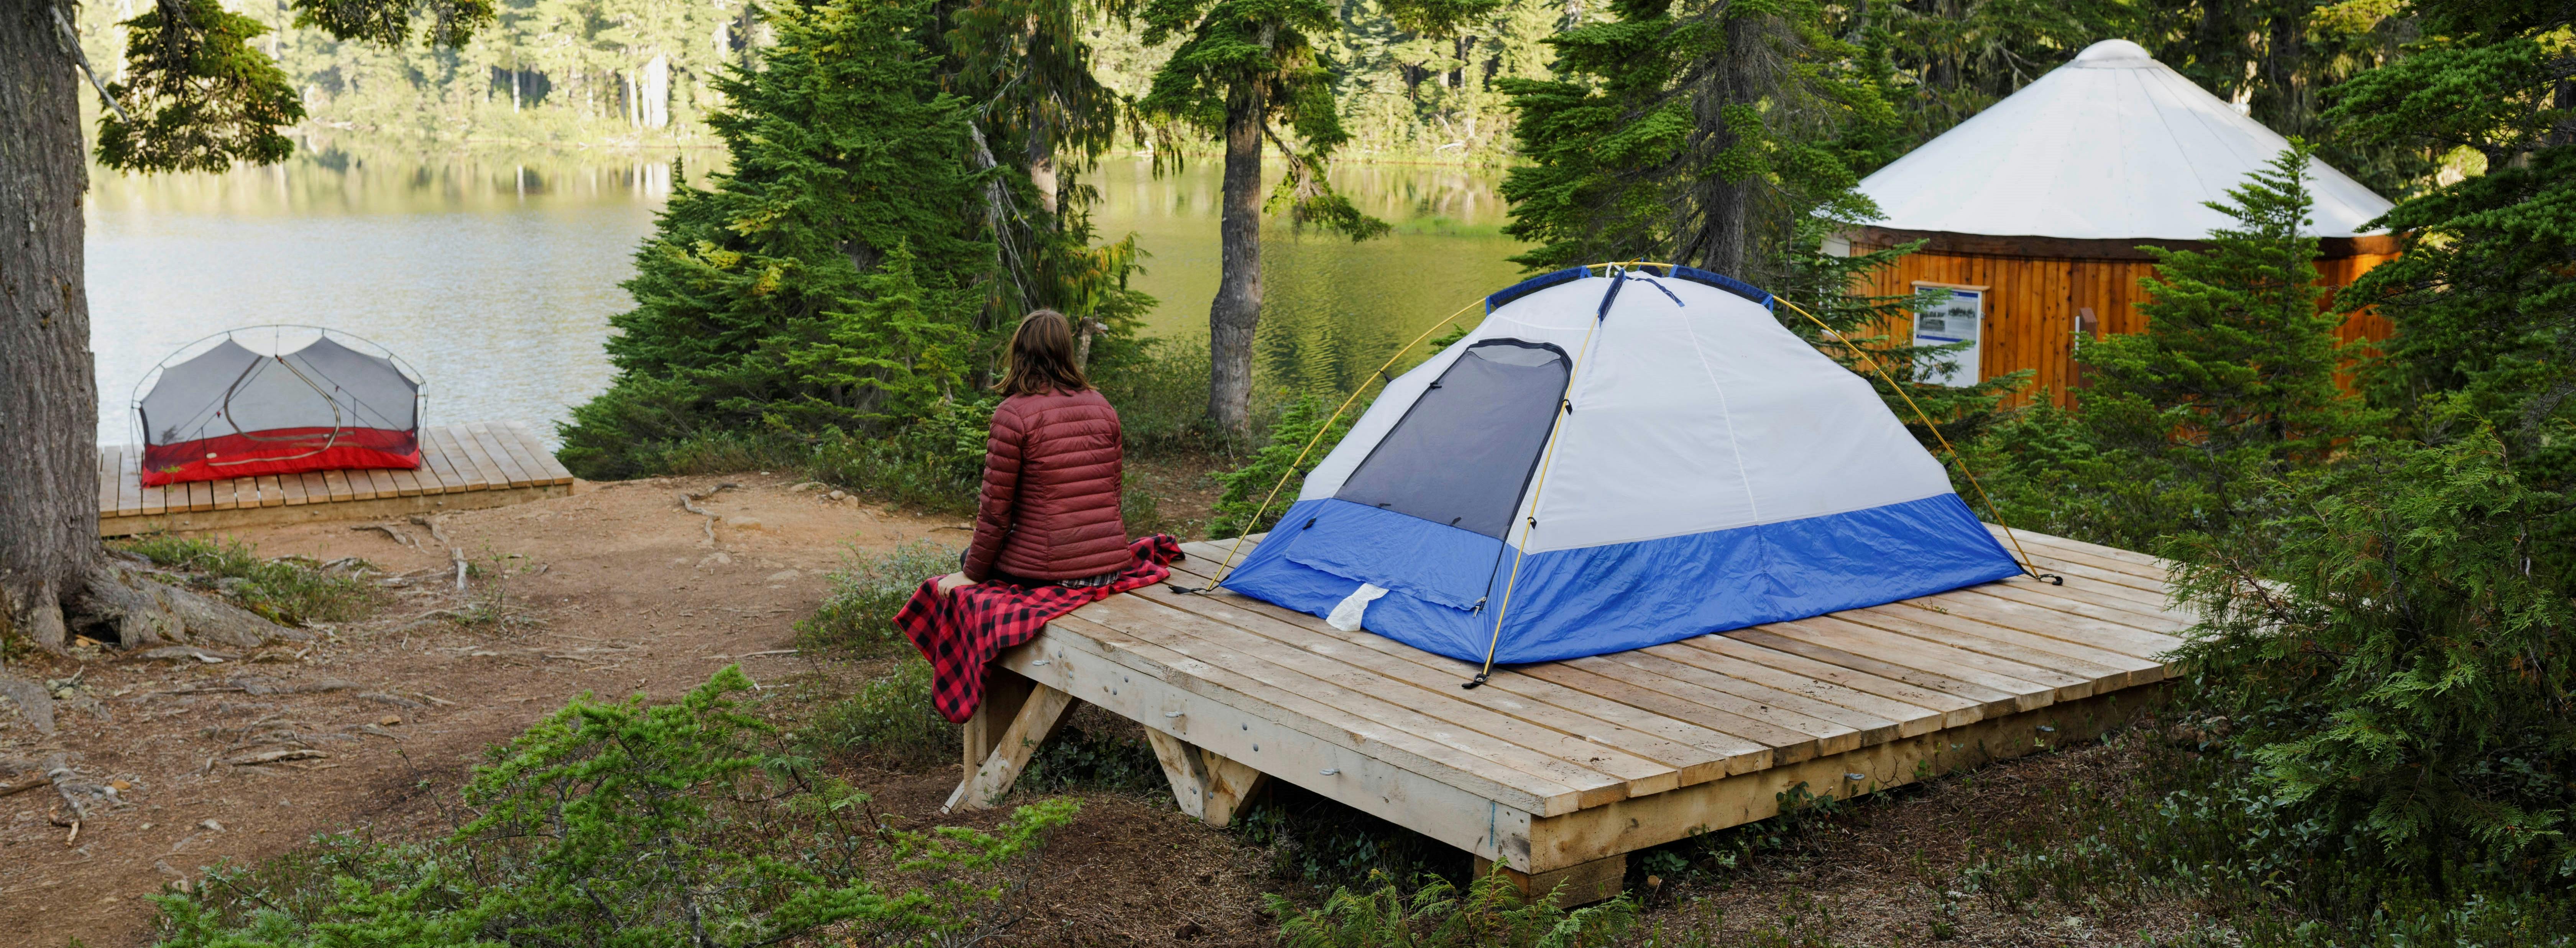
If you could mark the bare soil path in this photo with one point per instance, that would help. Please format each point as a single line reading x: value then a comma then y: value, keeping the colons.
x: 615, y: 589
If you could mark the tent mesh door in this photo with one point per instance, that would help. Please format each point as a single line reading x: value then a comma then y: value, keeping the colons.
x: 1464, y: 452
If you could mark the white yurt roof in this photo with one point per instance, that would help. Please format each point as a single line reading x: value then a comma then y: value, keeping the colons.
x: 2111, y: 145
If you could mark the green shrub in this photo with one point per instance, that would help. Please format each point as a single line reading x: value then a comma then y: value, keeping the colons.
x: 1102, y: 756
x: 1492, y: 914
x: 890, y: 719
x: 288, y: 590
x: 1297, y: 442
x: 859, y: 611
x: 1160, y: 388
x: 681, y: 824
x: 2393, y: 649
x: 2180, y: 426
x: 935, y: 463
x: 1319, y: 841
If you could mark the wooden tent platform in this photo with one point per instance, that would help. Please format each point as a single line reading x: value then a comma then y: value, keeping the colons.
x: 1558, y: 770
x: 463, y: 467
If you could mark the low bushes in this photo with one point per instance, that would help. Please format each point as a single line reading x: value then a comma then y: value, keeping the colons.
x: 858, y: 614
x: 890, y: 720
x: 692, y: 823
x: 1490, y: 914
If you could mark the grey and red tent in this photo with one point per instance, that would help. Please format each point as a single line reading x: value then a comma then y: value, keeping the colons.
x: 234, y: 411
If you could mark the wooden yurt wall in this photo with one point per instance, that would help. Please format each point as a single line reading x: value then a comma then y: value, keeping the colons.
x: 2032, y: 304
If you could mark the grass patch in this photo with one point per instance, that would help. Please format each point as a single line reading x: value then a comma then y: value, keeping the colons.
x: 889, y: 720
x: 858, y: 614
x: 286, y: 590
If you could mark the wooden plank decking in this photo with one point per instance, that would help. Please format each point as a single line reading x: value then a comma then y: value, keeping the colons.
x: 1557, y: 770
x: 463, y: 467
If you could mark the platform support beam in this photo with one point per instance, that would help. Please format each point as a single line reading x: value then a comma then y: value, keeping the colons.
x: 1580, y: 884
x: 1033, y: 712
x: 1004, y: 692
x: 1207, y: 786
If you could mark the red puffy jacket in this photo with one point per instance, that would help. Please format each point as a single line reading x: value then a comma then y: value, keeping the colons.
x: 1050, y: 505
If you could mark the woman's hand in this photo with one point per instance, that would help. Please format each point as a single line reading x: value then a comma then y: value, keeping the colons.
x: 950, y: 582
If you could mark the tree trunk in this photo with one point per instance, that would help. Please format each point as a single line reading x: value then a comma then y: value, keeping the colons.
x: 1238, y: 292
x: 48, y: 400
x: 1725, y: 246
x: 1042, y: 162
x: 2284, y: 94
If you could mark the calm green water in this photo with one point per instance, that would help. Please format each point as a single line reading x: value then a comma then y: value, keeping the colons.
x: 496, y: 276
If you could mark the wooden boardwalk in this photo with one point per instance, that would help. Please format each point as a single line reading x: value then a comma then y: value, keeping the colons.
x: 463, y: 467
x: 1558, y: 770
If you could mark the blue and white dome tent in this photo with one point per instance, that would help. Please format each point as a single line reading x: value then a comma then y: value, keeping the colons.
x: 1618, y: 458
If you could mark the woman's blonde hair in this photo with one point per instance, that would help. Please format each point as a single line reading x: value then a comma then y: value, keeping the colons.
x: 1041, y: 357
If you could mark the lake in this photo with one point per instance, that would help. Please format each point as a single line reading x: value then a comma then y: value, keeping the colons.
x: 495, y: 276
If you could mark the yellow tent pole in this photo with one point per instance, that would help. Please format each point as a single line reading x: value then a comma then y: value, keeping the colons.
x: 1223, y: 568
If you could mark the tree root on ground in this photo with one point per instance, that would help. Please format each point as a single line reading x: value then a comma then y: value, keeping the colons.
x: 688, y: 502
x: 131, y: 607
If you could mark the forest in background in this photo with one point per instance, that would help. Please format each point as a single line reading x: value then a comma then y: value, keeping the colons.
x: 607, y: 73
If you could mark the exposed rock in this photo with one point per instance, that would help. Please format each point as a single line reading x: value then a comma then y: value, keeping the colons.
x: 32, y: 701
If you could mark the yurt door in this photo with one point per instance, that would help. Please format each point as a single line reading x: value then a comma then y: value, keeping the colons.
x: 1959, y: 318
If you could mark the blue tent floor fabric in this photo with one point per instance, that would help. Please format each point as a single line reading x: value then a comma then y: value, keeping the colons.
x: 1711, y: 471
x: 1597, y: 600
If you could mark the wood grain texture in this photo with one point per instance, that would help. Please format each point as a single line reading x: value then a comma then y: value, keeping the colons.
x: 1037, y: 720
x: 2036, y: 290
x: 1580, y: 761
x: 454, y: 459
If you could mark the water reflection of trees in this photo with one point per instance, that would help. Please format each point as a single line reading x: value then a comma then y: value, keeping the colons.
x: 323, y: 177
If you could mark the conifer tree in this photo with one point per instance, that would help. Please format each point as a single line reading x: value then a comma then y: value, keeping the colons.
x: 2484, y: 295
x: 2396, y: 640
x: 832, y: 278
x: 1243, y: 69
x: 2232, y: 385
x: 2238, y: 355
x: 1697, y: 133
x: 1025, y: 70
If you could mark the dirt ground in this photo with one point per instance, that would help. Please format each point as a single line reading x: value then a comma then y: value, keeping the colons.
x: 614, y: 589
x: 617, y: 589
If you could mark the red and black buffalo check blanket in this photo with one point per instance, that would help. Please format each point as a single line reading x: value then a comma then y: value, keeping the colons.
x: 961, y: 632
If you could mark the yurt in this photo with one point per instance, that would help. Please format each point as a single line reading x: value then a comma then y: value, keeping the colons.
x: 2033, y: 211
x: 276, y: 400
x: 1614, y: 459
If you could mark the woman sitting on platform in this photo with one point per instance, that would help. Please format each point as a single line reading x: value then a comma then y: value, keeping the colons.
x: 1049, y: 512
